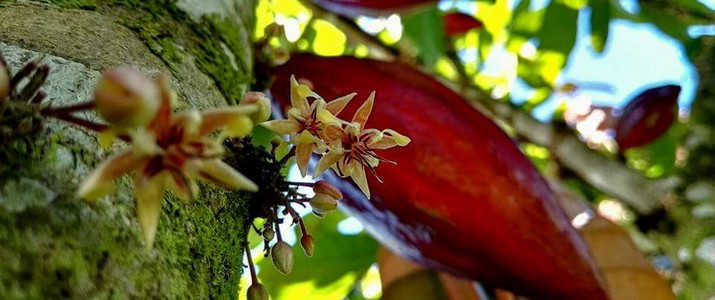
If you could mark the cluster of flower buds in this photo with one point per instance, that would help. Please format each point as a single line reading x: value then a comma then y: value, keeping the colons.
x: 168, y: 151
x: 20, y: 99
x: 324, y: 201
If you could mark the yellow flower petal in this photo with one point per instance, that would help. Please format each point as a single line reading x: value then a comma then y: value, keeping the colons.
x: 337, y: 105
x: 299, y: 94
x: 282, y: 126
x: 332, y: 133
x: 150, y: 195
x: 203, y: 147
x: 327, y: 161
x: 259, y: 99
x: 190, y: 121
x: 400, y: 139
x: 214, y: 119
x: 162, y: 120
x: 364, y: 111
x: 98, y: 183
x: 326, y: 117
x: 144, y: 143
x: 390, y: 138
x: 302, y: 154
x: 238, y: 127
x: 182, y: 186
x: 216, y: 171
x: 358, y: 176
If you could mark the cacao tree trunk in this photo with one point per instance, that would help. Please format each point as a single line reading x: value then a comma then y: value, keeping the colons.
x: 54, y: 245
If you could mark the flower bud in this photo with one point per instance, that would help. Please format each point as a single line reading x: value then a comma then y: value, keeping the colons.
x: 323, y: 203
x: 4, y: 81
x: 319, y: 215
x: 325, y: 187
x: 257, y: 292
x: 307, y: 242
x: 282, y: 256
x: 263, y: 103
x: 268, y: 234
x: 126, y: 98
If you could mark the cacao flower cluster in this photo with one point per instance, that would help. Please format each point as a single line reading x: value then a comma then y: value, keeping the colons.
x: 167, y: 151
x: 347, y: 147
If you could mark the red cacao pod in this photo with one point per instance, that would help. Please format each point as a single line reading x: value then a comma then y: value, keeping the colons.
x: 456, y: 23
x: 353, y: 8
x: 647, y: 116
x: 462, y: 198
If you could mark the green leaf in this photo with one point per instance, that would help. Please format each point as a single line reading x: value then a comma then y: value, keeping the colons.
x: 558, y: 32
x: 600, y: 18
x: 485, y: 45
x: 526, y: 23
x: 425, y: 31
x: 666, y: 23
x: 339, y: 260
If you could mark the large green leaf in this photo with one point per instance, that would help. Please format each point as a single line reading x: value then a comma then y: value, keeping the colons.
x: 339, y: 260
x: 600, y: 18
x: 558, y: 32
x: 425, y: 30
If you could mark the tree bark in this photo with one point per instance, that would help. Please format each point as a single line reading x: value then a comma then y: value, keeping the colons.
x: 54, y: 245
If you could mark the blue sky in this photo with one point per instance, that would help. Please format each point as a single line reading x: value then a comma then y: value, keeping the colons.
x: 637, y: 56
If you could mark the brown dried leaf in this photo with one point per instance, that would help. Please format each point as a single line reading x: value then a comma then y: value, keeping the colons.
x: 404, y: 279
x: 628, y: 273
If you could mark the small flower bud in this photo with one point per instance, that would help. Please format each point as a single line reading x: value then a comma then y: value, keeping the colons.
x: 319, y: 215
x: 263, y: 103
x: 257, y: 292
x: 307, y: 242
x: 126, y: 98
x: 276, y: 141
x: 325, y: 187
x: 268, y: 234
x: 323, y: 203
x: 282, y: 256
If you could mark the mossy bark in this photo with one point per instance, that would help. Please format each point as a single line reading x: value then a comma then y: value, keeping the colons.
x: 53, y: 245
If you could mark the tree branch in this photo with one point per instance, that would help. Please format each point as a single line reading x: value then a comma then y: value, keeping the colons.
x: 607, y: 175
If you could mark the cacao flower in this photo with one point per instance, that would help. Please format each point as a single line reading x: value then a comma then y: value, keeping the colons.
x: 462, y: 197
x: 647, y: 116
x: 457, y: 23
x: 353, y: 8
x: 170, y: 151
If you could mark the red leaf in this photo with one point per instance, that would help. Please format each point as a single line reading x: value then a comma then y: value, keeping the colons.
x: 647, y: 116
x: 456, y: 23
x: 462, y: 198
